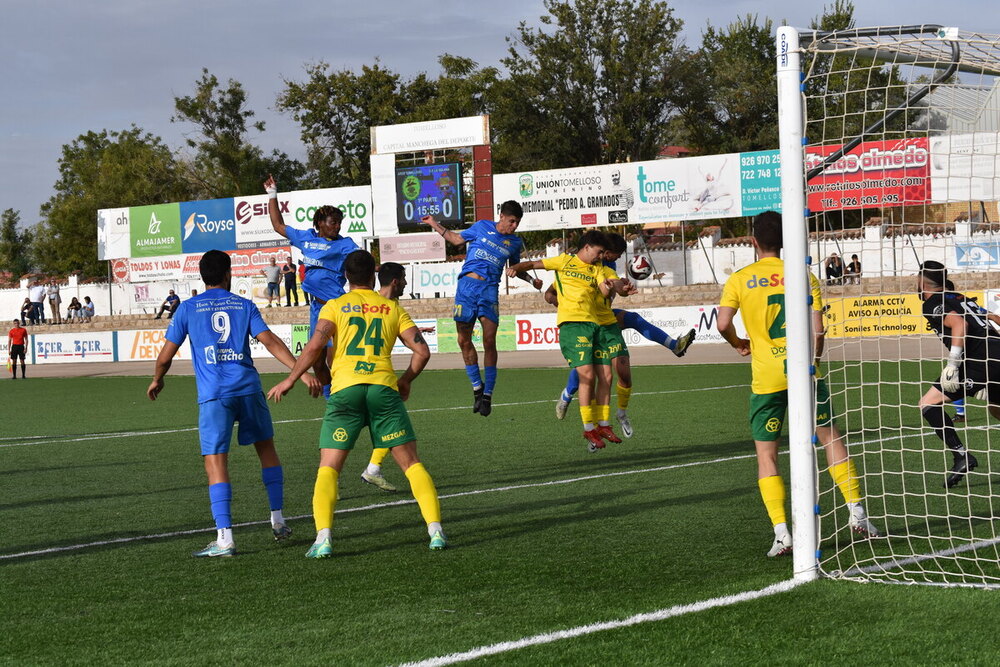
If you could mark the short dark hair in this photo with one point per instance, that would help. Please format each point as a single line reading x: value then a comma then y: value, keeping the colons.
x: 213, y: 267
x: 934, y: 272
x: 615, y: 242
x: 594, y: 237
x: 511, y: 207
x: 359, y: 267
x: 390, y: 271
x: 767, y: 231
x: 324, y: 212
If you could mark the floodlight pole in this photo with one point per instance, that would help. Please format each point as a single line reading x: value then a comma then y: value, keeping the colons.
x: 798, y: 308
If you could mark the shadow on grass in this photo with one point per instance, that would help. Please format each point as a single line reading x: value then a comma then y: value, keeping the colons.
x: 96, y: 496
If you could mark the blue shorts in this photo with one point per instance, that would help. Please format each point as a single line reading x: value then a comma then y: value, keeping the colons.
x: 314, y: 308
x: 216, y: 418
x: 272, y: 289
x: 476, y: 298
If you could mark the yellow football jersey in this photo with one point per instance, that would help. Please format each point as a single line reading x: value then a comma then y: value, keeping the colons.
x: 604, y: 313
x: 576, y: 283
x: 366, y: 325
x: 758, y: 292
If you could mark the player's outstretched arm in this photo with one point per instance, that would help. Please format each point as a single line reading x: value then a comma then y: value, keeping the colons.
x: 413, y: 339
x: 277, y: 348
x: 522, y: 267
x: 163, y: 361
x: 451, y: 237
x: 724, y: 323
x: 277, y: 222
x: 310, y: 354
x: 528, y: 278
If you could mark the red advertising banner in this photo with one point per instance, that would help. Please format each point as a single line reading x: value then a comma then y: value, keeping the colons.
x: 874, y: 174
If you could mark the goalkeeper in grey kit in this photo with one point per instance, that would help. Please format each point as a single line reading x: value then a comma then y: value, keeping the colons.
x: 973, y: 364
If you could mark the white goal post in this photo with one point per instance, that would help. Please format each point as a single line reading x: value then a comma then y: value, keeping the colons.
x: 890, y: 155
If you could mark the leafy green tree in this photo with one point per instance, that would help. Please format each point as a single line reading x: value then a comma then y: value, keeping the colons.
x: 727, y: 100
x: 226, y: 164
x: 102, y: 170
x: 336, y: 110
x: 590, y: 86
x: 15, y: 244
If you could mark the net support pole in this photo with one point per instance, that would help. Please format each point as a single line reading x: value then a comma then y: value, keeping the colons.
x: 798, y: 321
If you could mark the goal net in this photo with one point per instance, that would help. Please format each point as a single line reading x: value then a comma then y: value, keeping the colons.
x: 900, y: 167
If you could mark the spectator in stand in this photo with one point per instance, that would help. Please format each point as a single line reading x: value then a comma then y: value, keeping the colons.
x: 288, y: 271
x: 74, y: 311
x: 853, y: 274
x: 834, y: 270
x: 169, y: 304
x: 16, y: 339
x: 54, y: 302
x: 271, y: 273
x: 302, y: 281
x: 37, y: 296
x: 27, y: 312
x: 88, y: 309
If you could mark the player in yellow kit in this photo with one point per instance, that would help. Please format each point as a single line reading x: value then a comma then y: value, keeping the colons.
x: 583, y: 284
x: 364, y: 392
x: 758, y: 291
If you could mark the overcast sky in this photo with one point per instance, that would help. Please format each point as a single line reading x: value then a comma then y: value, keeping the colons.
x: 78, y: 65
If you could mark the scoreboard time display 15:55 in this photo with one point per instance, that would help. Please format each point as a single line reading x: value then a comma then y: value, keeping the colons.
x: 429, y: 189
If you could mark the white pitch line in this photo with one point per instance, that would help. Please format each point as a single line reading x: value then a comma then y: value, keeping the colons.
x: 649, y: 617
x: 394, y: 503
x: 48, y: 439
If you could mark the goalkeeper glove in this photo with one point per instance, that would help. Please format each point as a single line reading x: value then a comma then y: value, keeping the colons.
x: 950, y: 381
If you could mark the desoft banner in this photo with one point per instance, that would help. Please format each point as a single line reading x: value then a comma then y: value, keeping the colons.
x: 873, y: 174
x: 73, y: 347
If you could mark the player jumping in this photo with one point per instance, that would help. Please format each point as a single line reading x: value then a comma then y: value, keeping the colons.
x: 492, y: 246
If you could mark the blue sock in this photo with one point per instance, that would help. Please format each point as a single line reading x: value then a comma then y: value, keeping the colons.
x: 274, y: 482
x: 491, y: 379
x: 326, y: 391
x: 221, y: 495
x: 646, y: 330
x: 572, y: 385
x: 473, y: 372
x: 959, y: 406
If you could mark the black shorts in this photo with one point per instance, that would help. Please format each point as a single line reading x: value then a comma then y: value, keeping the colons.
x: 976, y: 376
x: 17, y: 352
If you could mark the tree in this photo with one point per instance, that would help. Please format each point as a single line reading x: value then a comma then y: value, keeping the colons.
x: 226, y: 164
x: 591, y: 86
x: 102, y: 170
x: 728, y: 101
x: 15, y: 245
x: 336, y: 110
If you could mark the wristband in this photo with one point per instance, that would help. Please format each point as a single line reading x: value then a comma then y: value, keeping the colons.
x: 955, y: 354
x: 272, y: 193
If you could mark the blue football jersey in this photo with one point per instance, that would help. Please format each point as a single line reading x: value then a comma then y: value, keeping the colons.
x: 219, y: 324
x: 489, y: 251
x: 324, y: 260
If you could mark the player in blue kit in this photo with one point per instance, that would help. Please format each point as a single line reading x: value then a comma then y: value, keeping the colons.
x: 219, y: 324
x: 323, y: 252
x: 492, y: 246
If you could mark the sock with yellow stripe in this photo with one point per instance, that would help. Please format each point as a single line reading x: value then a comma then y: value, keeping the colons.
x: 587, y: 415
x: 624, y: 396
x: 324, y: 500
x: 375, y: 463
x: 772, y: 491
x: 846, y: 477
x: 603, y: 414
x: 422, y: 487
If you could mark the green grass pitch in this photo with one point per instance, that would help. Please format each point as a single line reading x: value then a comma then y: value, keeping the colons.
x: 544, y: 536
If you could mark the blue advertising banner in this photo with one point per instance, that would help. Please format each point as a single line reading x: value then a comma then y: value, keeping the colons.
x: 208, y: 225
